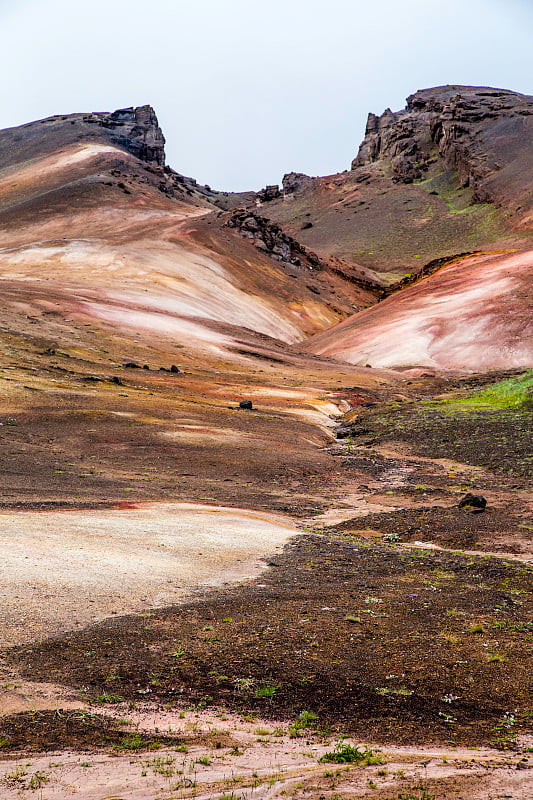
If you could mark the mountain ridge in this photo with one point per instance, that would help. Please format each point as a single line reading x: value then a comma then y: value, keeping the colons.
x: 423, y: 191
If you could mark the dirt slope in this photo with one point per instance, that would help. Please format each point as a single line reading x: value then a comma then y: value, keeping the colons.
x: 474, y: 314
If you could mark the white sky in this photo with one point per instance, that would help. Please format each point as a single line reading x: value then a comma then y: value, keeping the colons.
x: 246, y: 90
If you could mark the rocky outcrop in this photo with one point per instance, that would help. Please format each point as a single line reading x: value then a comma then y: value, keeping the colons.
x: 268, y: 193
x: 272, y: 240
x: 296, y: 182
x: 462, y: 125
x: 136, y: 130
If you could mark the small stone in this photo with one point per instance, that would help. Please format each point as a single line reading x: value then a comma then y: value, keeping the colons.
x: 174, y: 368
x: 342, y: 432
x: 132, y: 365
x: 246, y: 404
x: 475, y: 503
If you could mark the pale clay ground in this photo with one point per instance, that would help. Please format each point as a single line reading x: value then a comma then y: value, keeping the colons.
x: 163, y: 553
x: 63, y: 570
x: 259, y: 762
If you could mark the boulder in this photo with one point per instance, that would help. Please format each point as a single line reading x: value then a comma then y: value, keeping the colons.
x: 475, y: 503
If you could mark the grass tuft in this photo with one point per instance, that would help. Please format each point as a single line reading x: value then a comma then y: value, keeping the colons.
x: 348, y: 754
x: 512, y: 393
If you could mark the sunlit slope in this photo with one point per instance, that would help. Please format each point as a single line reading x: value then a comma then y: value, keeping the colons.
x: 91, y: 229
x: 475, y: 314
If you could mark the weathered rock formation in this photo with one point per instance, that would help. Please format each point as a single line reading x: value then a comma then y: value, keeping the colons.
x: 295, y: 182
x: 271, y: 192
x: 477, y: 131
x: 272, y: 240
x: 137, y: 130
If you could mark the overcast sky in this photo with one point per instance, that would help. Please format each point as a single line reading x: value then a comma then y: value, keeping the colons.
x: 246, y: 91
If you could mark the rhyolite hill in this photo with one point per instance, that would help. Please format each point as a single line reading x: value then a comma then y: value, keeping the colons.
x: 342, y: 355
x: 429, y: 231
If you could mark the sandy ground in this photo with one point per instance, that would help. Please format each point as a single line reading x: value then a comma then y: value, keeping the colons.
x: 226, y: 756
x: 65, y: 569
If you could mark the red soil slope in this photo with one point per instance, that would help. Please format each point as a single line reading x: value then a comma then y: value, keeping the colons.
x: 475, y: 314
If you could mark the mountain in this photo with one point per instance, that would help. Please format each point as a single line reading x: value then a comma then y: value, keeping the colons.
x: 122, y: 282
x: 446, y: 182
x: 451, y: 173
x: 90, y: 213
x: 257, y: 465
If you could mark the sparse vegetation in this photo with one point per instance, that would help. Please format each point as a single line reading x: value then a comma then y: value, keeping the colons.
x: 266, y: 691
x: 137, y: 742
x: 305, y: 720
x: 346, y: 753
x: 511, y: 393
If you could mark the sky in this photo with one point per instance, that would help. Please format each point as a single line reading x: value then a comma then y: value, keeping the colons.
x: 246, y: 91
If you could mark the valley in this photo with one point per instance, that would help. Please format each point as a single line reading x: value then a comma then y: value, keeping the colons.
x: 236, y: 431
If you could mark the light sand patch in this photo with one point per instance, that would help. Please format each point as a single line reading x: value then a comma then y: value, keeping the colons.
x: 263, y: 764
x: 161, y: 276
x: 201, y: 434
x: 29, y: 171
x: 64, y: 570
x: 161, y: 324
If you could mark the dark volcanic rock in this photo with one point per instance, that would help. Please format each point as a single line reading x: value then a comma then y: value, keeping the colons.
x: 138, y: 132
x: 478, y: 131
x: 473, y: 502
x: 269, y: 193
x: 294, y: 182
x: 272, y: 240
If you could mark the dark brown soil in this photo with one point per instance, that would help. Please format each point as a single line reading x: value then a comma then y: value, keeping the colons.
x: 83, y: 456
x: 58, y: 730
x: 83, y: 730
x: 398, y: 646
x: 501, y: 441
x: 492, y: 530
